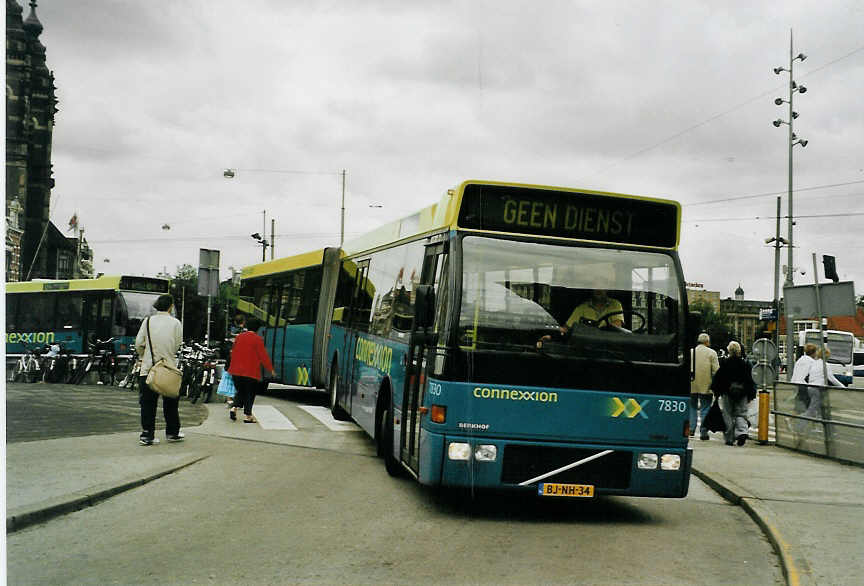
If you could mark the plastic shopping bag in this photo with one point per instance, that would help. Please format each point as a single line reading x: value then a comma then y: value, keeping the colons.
x: 226, y: 385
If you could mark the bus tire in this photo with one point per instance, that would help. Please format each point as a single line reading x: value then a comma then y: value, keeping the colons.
x: 338, y: 413
x: 385, y: 444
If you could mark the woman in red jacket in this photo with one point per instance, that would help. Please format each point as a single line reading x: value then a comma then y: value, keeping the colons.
x: 247, y: 358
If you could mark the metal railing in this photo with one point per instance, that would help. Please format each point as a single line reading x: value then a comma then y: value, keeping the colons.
x: 827, y: 421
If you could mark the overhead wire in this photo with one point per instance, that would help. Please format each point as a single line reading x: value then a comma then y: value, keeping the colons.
x: 752, y: 218
x: 767, y: 194
x: 721, y: 114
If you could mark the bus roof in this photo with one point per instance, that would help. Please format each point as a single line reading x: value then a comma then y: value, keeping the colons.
x: 555, y: 209
x: 557, y: 212
x: 104, y: 283
x: 288, y: 263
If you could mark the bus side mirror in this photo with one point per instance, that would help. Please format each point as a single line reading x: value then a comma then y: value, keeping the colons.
x: 424, y: 306
x: 694, y: 326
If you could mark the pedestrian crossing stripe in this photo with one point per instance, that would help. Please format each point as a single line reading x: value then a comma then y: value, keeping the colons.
x: 302, y: 376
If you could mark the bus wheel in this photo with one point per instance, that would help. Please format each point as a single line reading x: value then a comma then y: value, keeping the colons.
x: 338, y: 412
x: 385, y: 444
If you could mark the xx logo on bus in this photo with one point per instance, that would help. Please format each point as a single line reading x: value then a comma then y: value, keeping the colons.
x: 631, y: 408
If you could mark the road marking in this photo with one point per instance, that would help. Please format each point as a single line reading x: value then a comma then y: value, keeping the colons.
x: 323, y: 415
x: 270, y: 417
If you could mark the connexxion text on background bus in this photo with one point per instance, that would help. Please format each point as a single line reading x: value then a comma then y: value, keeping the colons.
x: 439, y: 334
x: 79, y: 310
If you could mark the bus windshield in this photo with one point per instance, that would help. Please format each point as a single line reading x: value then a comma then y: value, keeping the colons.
x: 138, y: 306
x: 515, y: 294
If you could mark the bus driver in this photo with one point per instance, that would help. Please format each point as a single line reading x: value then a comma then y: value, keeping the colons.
x: 596, y: 309
x: 599, y: 310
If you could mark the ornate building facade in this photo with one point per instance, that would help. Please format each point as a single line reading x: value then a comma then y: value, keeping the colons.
x: 35, y: 248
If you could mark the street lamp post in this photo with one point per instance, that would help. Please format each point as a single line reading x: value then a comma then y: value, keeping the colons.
x: 793, y: 140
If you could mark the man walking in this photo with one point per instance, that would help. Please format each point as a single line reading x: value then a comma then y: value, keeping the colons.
x: 703, y: 364
x: 163, y: 334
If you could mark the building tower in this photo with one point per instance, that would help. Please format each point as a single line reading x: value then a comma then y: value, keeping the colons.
x: 30, y: 108
x: 739, y: 293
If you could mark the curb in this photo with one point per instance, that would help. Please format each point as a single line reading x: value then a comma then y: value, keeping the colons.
x: 795, y: 568
x: 46, y: 510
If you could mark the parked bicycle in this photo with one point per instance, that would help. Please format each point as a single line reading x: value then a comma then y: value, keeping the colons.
x: 101, y: 359
x: 29, y: 366
x: 55, y: 364
x: 200, y: 365
x: 130, y: 380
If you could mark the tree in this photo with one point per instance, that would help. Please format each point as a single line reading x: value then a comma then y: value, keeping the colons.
x: 715, y: 323
x: 184, y: 288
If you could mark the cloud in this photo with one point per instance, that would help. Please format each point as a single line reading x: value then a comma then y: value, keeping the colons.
x: 670, y: 99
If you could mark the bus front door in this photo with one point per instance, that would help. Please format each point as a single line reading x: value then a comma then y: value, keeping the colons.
x: 98, y: 317
x: 415, y: 375
x: 358, y: 321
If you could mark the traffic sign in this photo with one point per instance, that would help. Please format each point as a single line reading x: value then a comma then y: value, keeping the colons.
x: 763, y: 374
x: 765, y: 353
x: 767, y: 314
x: 764, y: 350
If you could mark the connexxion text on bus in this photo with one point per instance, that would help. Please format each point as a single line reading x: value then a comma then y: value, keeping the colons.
x: 440, y: 335
x: 76, y: 311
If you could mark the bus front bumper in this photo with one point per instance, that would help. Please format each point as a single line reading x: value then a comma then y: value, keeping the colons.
x: 494, y: 463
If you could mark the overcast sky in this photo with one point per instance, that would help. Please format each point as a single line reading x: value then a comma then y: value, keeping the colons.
x: 667, y: 99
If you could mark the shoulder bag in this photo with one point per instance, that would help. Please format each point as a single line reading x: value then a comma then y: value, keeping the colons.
x: 162, y: 377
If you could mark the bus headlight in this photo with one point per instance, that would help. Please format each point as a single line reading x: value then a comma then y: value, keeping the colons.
x: 670, y: 462
x: 647, y: 461
x: 459, y: 451
x: 486, y: 453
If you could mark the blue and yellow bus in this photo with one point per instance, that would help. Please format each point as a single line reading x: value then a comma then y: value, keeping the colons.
x: 441, y: 336
x: 78, y: 311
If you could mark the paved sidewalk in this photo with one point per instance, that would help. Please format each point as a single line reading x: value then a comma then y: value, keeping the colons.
x: 812, y: 509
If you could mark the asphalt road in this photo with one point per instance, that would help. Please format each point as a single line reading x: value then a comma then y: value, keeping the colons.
x: 39, y: 411
x: 295, y: 507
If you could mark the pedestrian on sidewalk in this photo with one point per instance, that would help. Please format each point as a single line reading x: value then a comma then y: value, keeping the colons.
x: 703, y: 365
x: 800, y: 372
x: 247, y: 358
x: 237, y: 327
x: 816, y: 378
x: 166, y: 336
x: 734, y: 388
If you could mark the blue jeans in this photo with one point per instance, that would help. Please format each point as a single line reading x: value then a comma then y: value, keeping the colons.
x: 695, y: 399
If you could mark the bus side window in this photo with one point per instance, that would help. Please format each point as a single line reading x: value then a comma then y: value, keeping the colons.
x: 11, y: 312
x: 37, y: 312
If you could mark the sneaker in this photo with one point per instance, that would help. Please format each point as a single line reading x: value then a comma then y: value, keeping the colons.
x: 741, y: 439
x: 176, y: 438
x: 148, y: 441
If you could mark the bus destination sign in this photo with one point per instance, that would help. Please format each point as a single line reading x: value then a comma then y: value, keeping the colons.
x: 148, y: 284
x: 588, y: 216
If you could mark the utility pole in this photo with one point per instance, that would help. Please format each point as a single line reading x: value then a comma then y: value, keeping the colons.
x: 342, y: 223
x: 272, y: 237
x: 793, y: 140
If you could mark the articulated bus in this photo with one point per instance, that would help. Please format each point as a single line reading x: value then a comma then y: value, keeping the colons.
x: 79, y: 311
x: 841, y: 345
x: 441, y: 336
